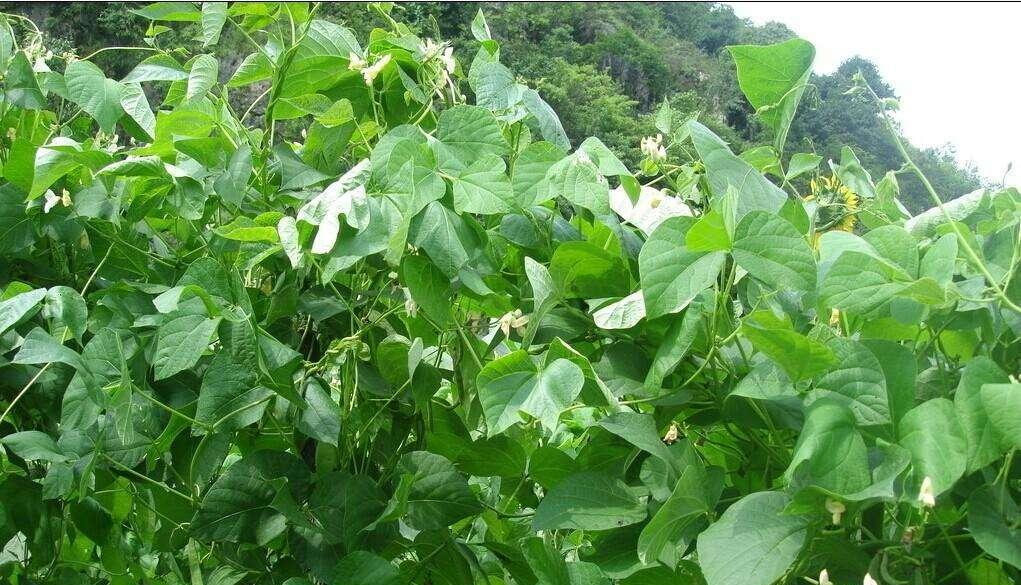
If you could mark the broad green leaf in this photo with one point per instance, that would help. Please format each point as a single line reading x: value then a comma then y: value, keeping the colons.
x: 939, y: 261
x: 550, y: 127
x: 753, y: 542
x: 622, y: 314
x: 66, y: 312
x: 992, y: 521
x: 588, y: 501
x: 214, y: 16
x: 800, y: 356
x: 479, y: 27
x: 640, y: 430
x: 543, y: 287
x: 673, y: 526
x: 254, y: 68
x: 202, y: 76
x: 439, y: 495
x: 855, y: 380
x: 136, y: 106
x: 773, y: 78
x: 830, y: 452
x: 483, y: 187
x: 159, y: 67
x: 21, y: 86
x: 585, y: 270
x: 17, y: 308
x: 939, y: 450
x: 429, y: 288
x: 725, y: 170
x: 861, y: 284
x: 238, y: 506
x: 470, y: 132
x: 577, y: 179
x: 549, y: 466
x: 100, y: 97
x: 676, y: 344
x: 320, y: 419
x: 39, y: 347
x: 895, y: 245
x: 671, y: 275
x: 230, y: 397
x: 802, y: 163
x: 773, y: 251
x: 34, y: 446
x: 985, y: 442
x: 180, y: 342
x: 530, y: 170
x: 365, y: 568
x: 1002, y: 403
x: 513, y: 384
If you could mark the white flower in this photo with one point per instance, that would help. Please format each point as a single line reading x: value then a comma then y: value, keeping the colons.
x: 824, y: 578
x: 836, y: 509
x: 926, y: 494
x: 653, y: 208
x: 356, y: 62
x: 582, y: 157
x: 868, y: 580
x: 51, y: 201
x: 448, y: 59
x: 515, y: 320
x: 652, y: 147
x: 65, y: 198
x: 409, y: 304
x: 370, y: 72
x: 430, y: 49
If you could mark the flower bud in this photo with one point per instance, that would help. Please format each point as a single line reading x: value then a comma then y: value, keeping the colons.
x: 927, y: 494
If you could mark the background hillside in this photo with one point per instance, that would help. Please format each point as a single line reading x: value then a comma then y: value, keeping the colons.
x: 604, y: 67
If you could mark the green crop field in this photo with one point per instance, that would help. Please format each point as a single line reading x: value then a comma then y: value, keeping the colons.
x: 355, y: 309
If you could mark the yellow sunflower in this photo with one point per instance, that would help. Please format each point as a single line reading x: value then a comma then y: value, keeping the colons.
x: 838, y: 204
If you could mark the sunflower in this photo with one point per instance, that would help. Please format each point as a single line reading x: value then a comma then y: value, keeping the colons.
x: 838, y: 204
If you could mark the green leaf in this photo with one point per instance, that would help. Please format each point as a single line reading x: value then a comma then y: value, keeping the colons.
x: 429, y: 288
x: 180, y: 342
x: 214, y: 16
x: 483, y: 187
x: 753, y: 542
x: 530, y: 170
x: 34, y: 446
x: 939, y: 450
x: 202, y: 76
x: 479, y: 27
x: 577, y: 179
x: 365, y: 568
x: 985, y: 442
x: 543, y: 287
x: 800, y: 357
x: 585, y: 270
x: 992, y: 521
x: 66, y: 312
x: 471, y: 132
x: 159, y: 67
x: 230, y: 397
x: 136, y: 106
x: 18, y: 307
x: 439, y: 495
x: 773, y: 78
x: 861, y: 284
x: 445, y: 237
x: 1002, y: 403
x: 320, y: 419
x: 588, y: 501
x: 802, y: 163
x: 772, y: 250
x: 725, y: 170
x: 514, y: 384
x: 622, y: 314
x: 254, y: 68
x: 672, y: 527
x: 98, y: 96
x: 895, y: 245
x: 830, y: 452
x: 21, y: 86
x: 671, y: 275
x: 857, y: 381
x: 39, y: 347
x: 238, y: 506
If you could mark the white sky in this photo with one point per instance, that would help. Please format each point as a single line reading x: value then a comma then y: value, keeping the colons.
x: 955, y: 66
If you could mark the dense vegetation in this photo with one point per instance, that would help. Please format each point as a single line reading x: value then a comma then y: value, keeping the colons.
x: 357, y: 306
x: 604, y: 67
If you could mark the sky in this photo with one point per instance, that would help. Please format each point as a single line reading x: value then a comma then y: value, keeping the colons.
x: 955, y: 66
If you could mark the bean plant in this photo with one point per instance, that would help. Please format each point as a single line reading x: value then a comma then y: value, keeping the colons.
x: 358, y: 312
